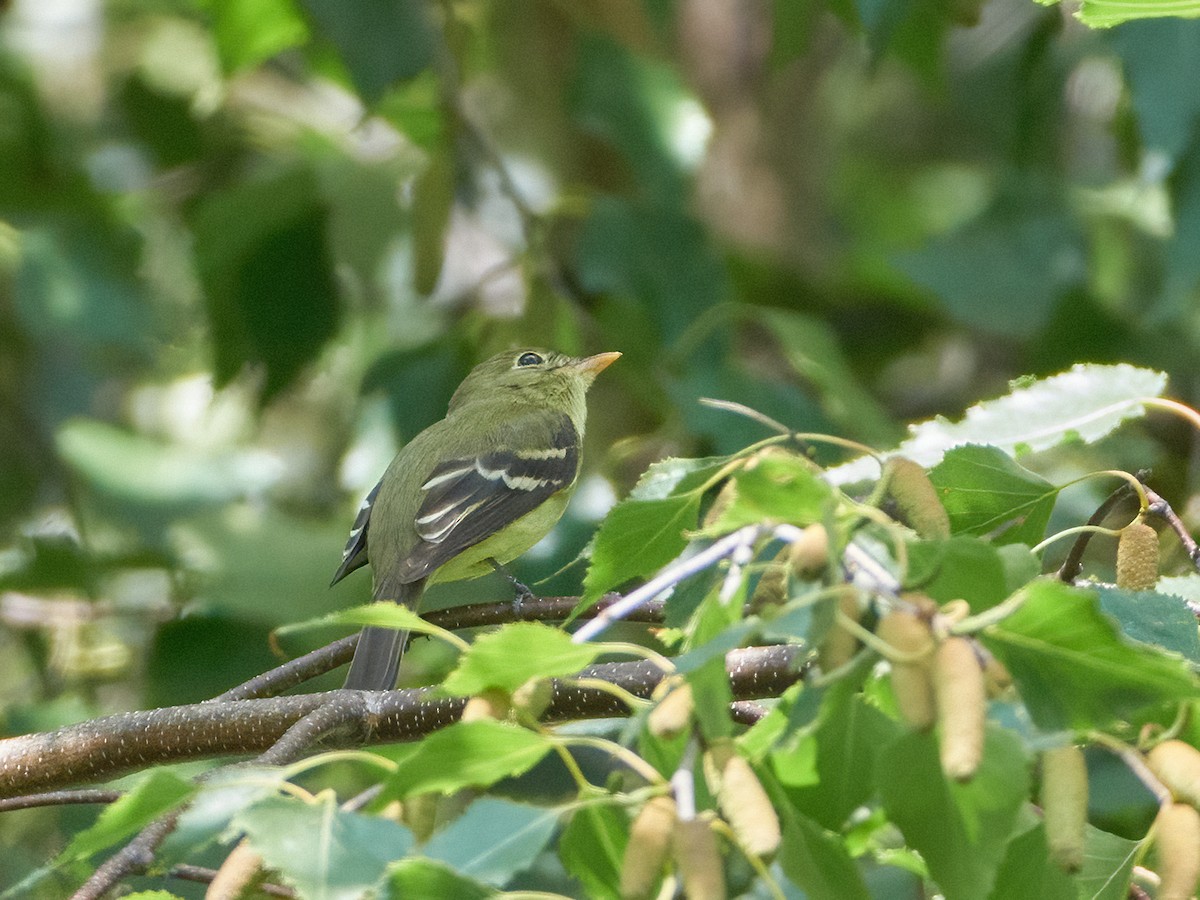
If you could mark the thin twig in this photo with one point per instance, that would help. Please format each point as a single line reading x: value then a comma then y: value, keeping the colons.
x: 60, y: 798
x: 138, y: 855
x: 203, y: 875
x: 668, y: 577
x: 454, y: 618
x: 1073, y: 564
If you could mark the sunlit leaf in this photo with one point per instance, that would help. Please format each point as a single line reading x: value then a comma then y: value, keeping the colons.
x: 248, y: 33
x: 637, y: 538
x: 987, y: 493
x: 465, y: 754
x: 847, y: 743
x: 1106, y: 13
x: 776, y: 488
x: 1028, y: 871
x: 1085, y: 403
x: 508, y: 658
x: 962, y: 567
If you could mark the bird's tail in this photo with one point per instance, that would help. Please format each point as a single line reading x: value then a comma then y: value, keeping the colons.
x: 376, y: 659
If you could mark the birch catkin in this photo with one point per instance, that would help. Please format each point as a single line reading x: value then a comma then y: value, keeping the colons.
x: 648, y: 847
x: 1064, y: 805
x: 961, y: 706
x: 911, y: 639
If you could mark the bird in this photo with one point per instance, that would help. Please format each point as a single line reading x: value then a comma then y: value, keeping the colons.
x: 472, y: 491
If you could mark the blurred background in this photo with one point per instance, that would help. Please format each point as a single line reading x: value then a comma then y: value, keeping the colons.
x: 247, y: 249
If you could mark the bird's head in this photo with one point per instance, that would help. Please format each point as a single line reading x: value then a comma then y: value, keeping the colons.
x: 532, y: 375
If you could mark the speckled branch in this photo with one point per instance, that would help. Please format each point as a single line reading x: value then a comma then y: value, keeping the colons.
x: 108, y: 747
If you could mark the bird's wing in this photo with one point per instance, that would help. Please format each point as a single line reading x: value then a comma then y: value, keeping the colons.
x: 355, y: 554
x: 472, y: 497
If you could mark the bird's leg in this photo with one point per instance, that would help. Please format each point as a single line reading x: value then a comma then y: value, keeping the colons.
x: 522, y: 592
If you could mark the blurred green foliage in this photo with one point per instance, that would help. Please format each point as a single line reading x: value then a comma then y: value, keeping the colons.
x: 247, y: 249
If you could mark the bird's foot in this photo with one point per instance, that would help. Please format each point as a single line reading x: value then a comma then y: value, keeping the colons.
x: 521, y: 591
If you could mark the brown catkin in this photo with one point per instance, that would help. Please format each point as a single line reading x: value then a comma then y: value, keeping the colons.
x: 699, y: 860
x: 646, y: 852
x: 1177, y: 837
x: 908, y: 484
x: 1137, y: 557
x: 1177, y: 765
x: 673, y: 713
x: 1064, y: 805
x: 839, y: 646
x: 742, y: 799
x: 912, y: 684
x: 961, y: 705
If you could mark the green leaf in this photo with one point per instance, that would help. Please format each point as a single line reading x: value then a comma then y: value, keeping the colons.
x: 433, y: 197
x: 592, y: 848
x: 494, y: 839
x: 1107, y: 866
x: 383, y: 614
x: 1156, y: 57
x: 465, y: 754
x: 636, y: 539
x: 1085, y: 403
x: 962, y: 567
x: 158, y: 793
x: 847, y: 742
x: 780, y: 488
x: 1028, y: 871
x: 1106, y: 13
x: 676, y: 475
x: 987, y: 493
x: 1072, y: 668
x: 135, y: 468
x: 811, y: 348
x: 248, y: 32
x: 1153, y: 618
x: 321, y: 850
x: 381, y: 42
x: 218, y: 799
x: 264, y: 260
x: 656, y: 257
x: 1003, y: 271
x: 429, y: 878
x: 961, y: 830
x: 628, y: 100
x: 812, y: 858
x: 509, y: 657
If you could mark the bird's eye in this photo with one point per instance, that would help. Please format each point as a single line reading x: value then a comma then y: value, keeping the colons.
x: 529, y: 359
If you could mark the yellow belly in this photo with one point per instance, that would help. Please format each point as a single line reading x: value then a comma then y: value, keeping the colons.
x: 507, y: 544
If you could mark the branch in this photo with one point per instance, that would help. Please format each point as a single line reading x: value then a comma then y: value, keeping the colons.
x: 1073, y: 564
x: 475, y: 615
x: 105, y: 748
